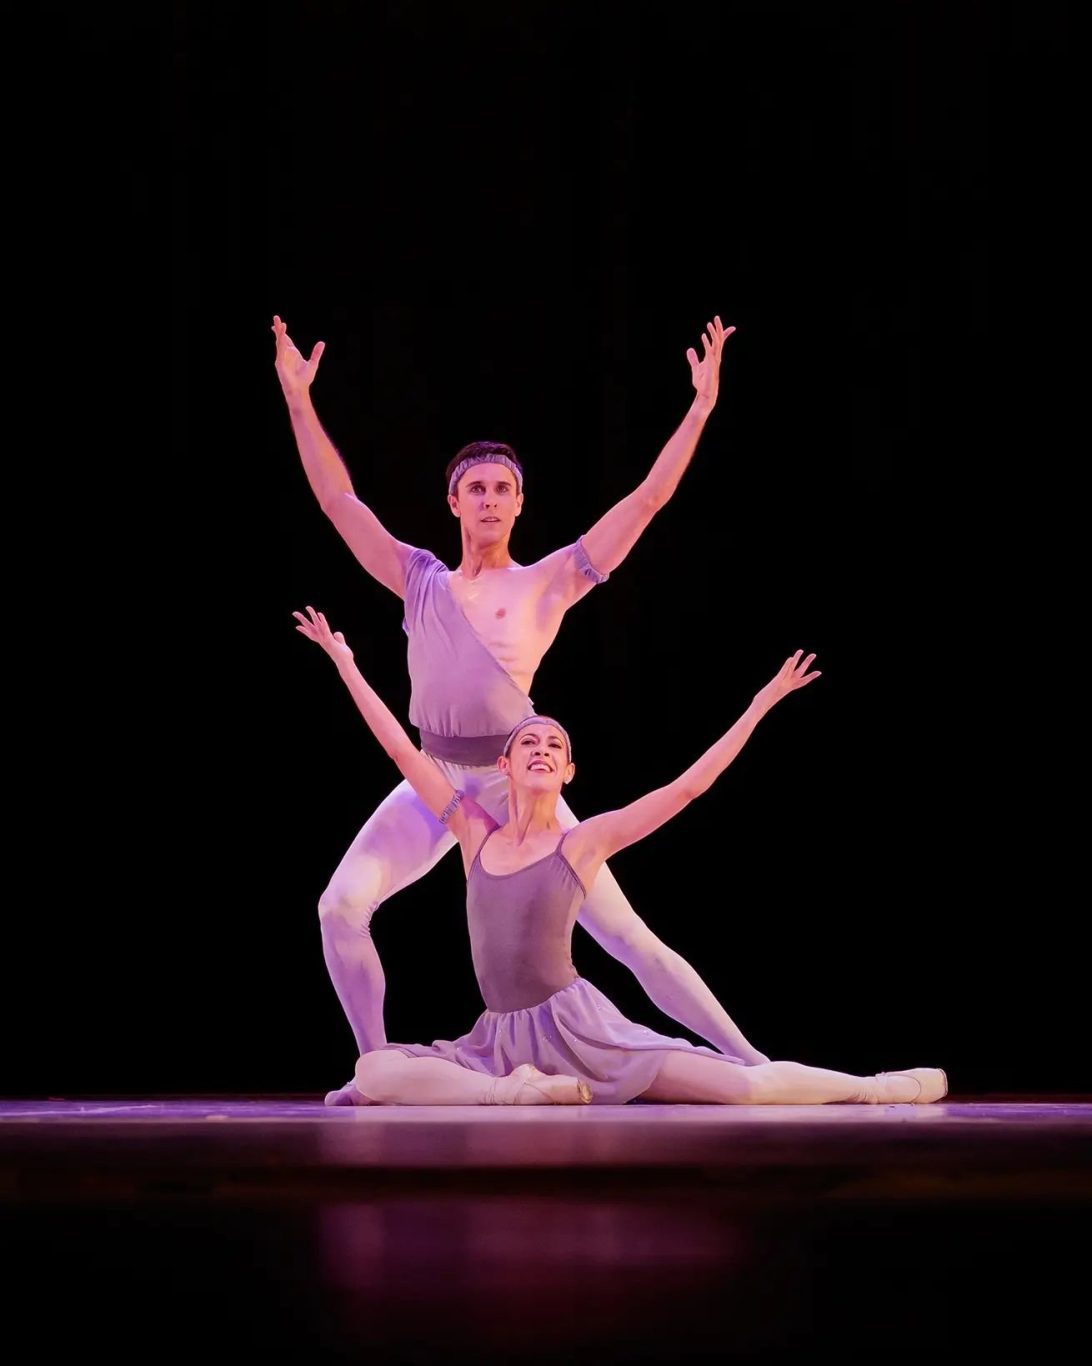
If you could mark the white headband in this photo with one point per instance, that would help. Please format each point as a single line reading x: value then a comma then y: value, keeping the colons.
x: 468, y: 464
x: 540, y: 720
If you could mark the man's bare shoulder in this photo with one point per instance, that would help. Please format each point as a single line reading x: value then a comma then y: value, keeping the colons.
x: 556, y: 562
x: 565, y: 575
x: 542, y: 577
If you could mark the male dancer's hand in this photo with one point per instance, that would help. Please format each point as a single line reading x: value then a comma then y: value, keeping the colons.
x: 315, y: 627
x: 792, y: 675
x: 706, y: 372
x: 294, y: 373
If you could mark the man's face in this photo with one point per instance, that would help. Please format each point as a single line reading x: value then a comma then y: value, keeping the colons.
x: 486, y: 502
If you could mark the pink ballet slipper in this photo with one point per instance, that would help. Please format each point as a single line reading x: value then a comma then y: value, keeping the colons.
x: 526, y: 1085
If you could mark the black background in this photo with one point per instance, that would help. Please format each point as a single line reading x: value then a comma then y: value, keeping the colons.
x: 509, y: 222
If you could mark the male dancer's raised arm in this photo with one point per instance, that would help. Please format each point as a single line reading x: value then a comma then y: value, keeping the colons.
x: 615, y: 534
x: 378, y: 551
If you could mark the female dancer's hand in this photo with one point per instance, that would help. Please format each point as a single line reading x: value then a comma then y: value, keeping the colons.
x: 294, y: 373
x: 793, y: 674
x: 315, y: 627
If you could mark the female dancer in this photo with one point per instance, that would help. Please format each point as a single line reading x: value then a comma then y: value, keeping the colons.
x: 547, y: 1036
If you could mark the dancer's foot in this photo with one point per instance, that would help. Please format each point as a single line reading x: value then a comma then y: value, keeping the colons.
x: 917, y: 1086
x: 346, y: 1095
x: 526, y: 1085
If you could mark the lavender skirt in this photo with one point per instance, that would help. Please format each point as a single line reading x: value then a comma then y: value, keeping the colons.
x: 576, y: 1032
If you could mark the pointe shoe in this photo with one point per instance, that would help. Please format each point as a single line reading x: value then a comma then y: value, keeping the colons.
x: 932, y: 1084
x: 526, y: 1085
x: 346, y: 1095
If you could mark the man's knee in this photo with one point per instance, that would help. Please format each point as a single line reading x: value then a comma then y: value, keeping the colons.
x: 347, y: 911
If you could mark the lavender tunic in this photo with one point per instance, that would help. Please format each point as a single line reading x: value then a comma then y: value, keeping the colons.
x: 463, y: 701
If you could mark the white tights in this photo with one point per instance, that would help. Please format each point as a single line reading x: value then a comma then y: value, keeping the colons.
x: 388, y: 1077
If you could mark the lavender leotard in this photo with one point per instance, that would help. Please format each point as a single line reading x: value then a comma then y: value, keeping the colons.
x: 538, y: 1009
